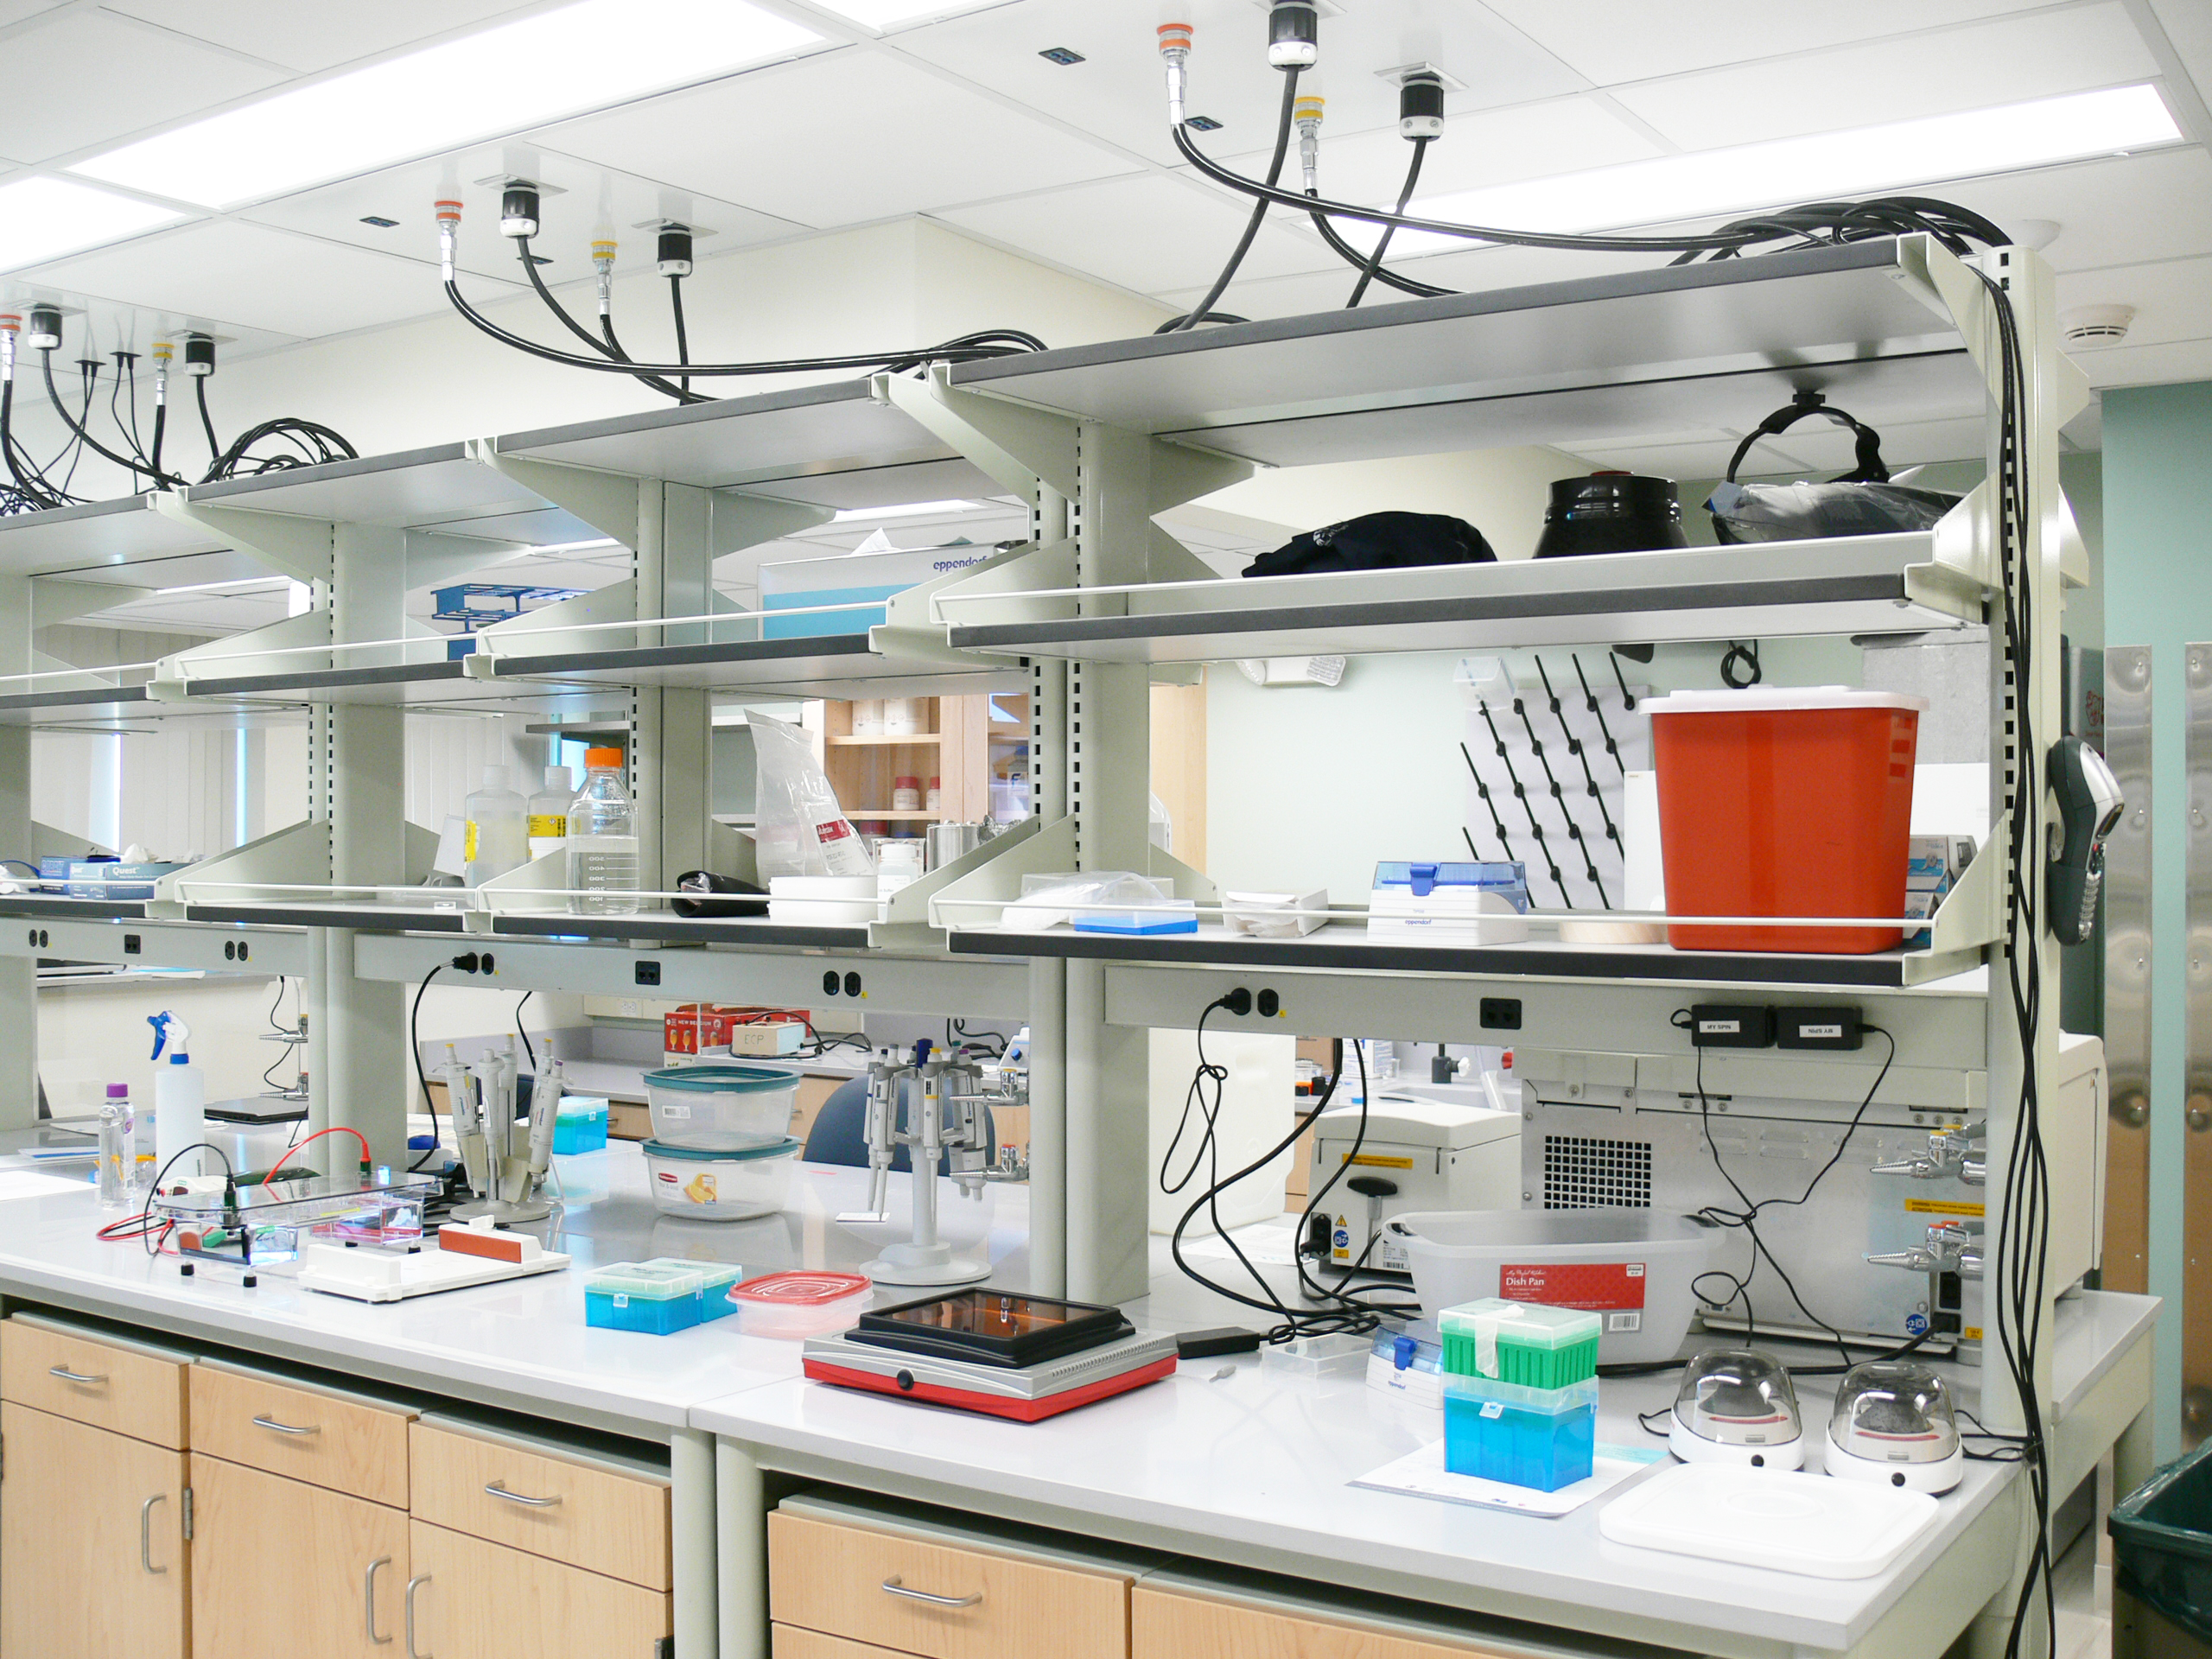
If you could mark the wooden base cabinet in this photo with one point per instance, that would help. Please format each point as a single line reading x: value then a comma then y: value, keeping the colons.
x: 1176, y: 1624
x: 467, y: 1598
x: 91, y: 1536
x: 283, y: 1569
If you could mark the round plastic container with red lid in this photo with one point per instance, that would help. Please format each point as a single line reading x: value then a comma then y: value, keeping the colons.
x: 799, y: 1304
x: 1780, y: 801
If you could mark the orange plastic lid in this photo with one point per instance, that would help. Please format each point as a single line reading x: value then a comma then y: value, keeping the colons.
x: 602, y: 757
x: 800, y: 1289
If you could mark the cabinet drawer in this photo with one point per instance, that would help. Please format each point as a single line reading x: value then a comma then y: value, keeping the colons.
x: 870, y: 1586
x: 593, y: 1516
x: 1166, y: 1625
x: 468, y: 1599
x: 344, y: 1443
x: 788, y: 1642
x: 129, y: 1390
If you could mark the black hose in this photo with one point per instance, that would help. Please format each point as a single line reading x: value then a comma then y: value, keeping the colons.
x: 1357, y: 261
x: 208, y: 423
x: 682, y: 341
x: 610, y: 348
x: 1382, y: 242
x: 53, y: 396
x: 1259, y: 209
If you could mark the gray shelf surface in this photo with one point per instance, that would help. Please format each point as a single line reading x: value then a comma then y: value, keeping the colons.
x: 825, y: 666
x: 437, y: 489
x: 54, y: 907
x: 652, y: 927
x: 1668, y: 352
x: 1857, y: 585
x: 98, y: 538
x: 1346, y: 946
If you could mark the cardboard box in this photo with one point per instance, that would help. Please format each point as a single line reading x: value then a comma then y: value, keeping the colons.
x: 849, y: 578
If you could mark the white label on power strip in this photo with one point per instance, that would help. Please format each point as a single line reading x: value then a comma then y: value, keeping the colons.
x: 1722, y: 1028
x: 1835, y: 1032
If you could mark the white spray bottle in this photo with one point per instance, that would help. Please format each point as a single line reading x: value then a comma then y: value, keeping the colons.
x: 180, y: 1092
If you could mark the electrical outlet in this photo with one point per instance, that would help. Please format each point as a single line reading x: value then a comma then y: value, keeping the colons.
x: 648, y: 973
x: 632, y: 1008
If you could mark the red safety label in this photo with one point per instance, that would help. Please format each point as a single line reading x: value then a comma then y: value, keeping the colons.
x: 1593, y: 1287
x: 831, y: 829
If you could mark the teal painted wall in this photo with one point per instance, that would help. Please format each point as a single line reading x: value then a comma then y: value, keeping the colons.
x: 2158, y: 533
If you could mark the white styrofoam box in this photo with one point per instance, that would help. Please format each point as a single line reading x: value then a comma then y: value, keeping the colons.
x: 850, y: 578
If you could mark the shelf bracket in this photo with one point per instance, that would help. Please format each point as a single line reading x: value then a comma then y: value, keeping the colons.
x: 909, y: 921
x: 241, y: 654
x: 297, y: 855
x: 433, y: 558
x: 1020, y: 572
x: 605, y: 501
x: 521, y: 636
x: 1019, y: 446
x: 57, y: 599
x: 1163, y: 866
x: 1047, y: 849
x: 1182, y: 473
x: 737, y: 520
x: 1972, y: 913
x: 302, y: 549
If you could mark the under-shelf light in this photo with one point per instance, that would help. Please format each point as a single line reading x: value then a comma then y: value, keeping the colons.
x: 1816, y: 168
x: 910, y: 510
x: 564, y: 62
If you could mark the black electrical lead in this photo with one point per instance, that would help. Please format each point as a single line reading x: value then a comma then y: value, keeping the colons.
x: 1482, y: 788
x: 1579, y: 750
x: 1521, y: 794
x: 1559, y: 800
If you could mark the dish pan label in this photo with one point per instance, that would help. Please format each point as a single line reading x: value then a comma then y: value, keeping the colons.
x: 1612, y: 1289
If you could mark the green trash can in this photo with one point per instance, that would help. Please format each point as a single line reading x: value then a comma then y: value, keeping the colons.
x: 2161, y: 1543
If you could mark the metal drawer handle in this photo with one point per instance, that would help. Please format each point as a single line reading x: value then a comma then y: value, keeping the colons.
x: 413, y: 1585
x: 369, y: 1600
x: 892, y: 1587
x: 146, y: 1533
x: 276, y: 1427
x: 498, y: 1491
x: 68, y: 1375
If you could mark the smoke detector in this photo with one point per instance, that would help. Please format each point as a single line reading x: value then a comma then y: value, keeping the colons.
x: 2095, y: 324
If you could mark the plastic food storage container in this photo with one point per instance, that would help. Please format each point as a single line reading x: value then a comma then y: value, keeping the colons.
x: 706, y: 1185
x: 723, y: 1107
x: 715, y: 1279
x: 579, y: 1125
x: 1544, y: 1437
x: 793, y: 1304
x: 654, y: 1297
x: 1785, y: 803
x: 1534, y: 1346
x: 1631, y: 1267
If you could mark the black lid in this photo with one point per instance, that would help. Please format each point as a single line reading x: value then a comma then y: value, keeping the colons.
x: 1614, y: 495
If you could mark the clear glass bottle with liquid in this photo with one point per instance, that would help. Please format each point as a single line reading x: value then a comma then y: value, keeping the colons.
x: 498, y: 833
x: 117, y: 1158
x: 548, y: 812
x: 603, y: 841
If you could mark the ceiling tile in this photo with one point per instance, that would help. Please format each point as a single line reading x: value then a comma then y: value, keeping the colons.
x: 1479, y: 147
x: 1612, y: 42
x: 2155, y: 206
x: 59, y: 101
x: 2149, y: 366
x: 227, y: 272
x: 310, y: 37
x: 2172, y: 300
x: 591, y: 201
x: 2008, y: 61
x: 1119, y: 93
x: 1145, y: 232
x: 839, y: 139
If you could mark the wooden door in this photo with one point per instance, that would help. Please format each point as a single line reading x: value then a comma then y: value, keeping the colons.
x: 478, y: 1600
x: 263, y: 1542
x: 92, y: 1541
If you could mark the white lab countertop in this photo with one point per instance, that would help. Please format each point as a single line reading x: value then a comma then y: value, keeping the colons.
x: 521, y: 1345
x: 1228, y: 1460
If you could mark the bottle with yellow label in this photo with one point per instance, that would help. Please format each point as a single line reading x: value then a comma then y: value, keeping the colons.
x: 548, y: 812
x: 496, y: 839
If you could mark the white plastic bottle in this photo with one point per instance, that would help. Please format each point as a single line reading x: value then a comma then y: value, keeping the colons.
x: 548, y: 812
x: 499, y: 833
x: 180, y: 1092
x: 603, y: 841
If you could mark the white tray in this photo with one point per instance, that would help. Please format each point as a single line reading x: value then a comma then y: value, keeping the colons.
x: 1813, y: 1524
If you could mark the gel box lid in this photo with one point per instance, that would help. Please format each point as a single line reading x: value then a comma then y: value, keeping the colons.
x: 725, y: 1079
x: 800, y: 1289
x: 647, y: 1281
x: 1527, y: 1324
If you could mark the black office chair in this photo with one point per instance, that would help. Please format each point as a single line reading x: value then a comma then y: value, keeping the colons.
x: 840, y: 1132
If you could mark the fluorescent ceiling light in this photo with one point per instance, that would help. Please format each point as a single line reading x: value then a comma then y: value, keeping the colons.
x: 1825, y: 165
x: 581, y: 57
x: 887, y: 14
x: 573, y: 547
x: 237, y: 585
x: 43, y: 218
x: 911, y: 509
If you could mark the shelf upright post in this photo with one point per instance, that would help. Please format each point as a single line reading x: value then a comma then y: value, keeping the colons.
x: 358, y: 759
x: 671, y: 727
x: 1048, y: 975
x: 18, y: 975
x: 1108, y: 750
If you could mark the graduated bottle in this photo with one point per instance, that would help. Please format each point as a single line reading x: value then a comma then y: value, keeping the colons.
x: 548, y: 812
x: 603, y: 840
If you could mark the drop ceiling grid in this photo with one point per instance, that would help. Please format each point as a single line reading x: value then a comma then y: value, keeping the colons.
x: 84, y: 78
x: 310, y: 37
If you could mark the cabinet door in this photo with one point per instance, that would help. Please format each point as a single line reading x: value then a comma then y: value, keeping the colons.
x: 92, y: 1537
x: 282, y: 1568
x: 476, y: 1601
